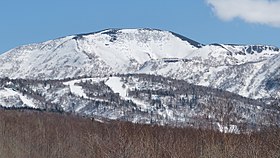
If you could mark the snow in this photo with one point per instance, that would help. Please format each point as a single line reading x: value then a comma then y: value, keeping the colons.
x: 75, y: 89
x: 116, y: 85
x: 6, y: 92
x: 98, y: 55
x: 140, y: 45
x: 78, y: 90
x: 92, y: 54
x: 226, y: 129
x: 167, y: 113
x: 177, y: 116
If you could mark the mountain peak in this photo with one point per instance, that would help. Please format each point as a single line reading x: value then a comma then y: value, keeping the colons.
x: 149, y: 51
x: 149, y: 32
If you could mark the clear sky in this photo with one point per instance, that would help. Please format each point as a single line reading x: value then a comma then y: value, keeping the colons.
x: 31, y: 21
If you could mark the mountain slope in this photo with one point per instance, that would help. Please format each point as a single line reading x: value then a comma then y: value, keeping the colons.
x: 108, y: 51
x: 142, y: 99
x: 146, y: 76
x: 248, y: 70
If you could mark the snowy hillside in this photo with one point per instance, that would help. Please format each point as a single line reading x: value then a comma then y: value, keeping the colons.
x: 105, y: 52
x: 146, y: 76
x: 248, y: 70
x: 141, y: 99
x: 227, y: 67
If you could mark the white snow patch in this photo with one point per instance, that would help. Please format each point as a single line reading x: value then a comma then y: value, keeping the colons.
x: 75, y: 89
x: 226, y: 129
x: 78, y: 90
x: 9, y: 92
x: 117, y: 86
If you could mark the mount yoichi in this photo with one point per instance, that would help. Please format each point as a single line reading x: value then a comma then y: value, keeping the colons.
x: 146, y: 76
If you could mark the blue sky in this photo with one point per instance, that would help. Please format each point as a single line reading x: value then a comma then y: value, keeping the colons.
x: 31, y: 21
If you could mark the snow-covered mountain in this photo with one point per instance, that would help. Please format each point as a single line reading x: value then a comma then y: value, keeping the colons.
x: 101, y: 53
x: 147, y: 76
x: 239, y: 69
x: 248, y: 70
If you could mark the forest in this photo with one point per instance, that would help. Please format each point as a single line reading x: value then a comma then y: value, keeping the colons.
x: 39, y: 134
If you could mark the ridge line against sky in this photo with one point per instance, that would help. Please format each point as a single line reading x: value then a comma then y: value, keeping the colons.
x: 205, y: 21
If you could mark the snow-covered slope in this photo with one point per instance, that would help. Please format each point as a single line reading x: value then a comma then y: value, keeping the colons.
x: 239, y: 69
x: 248, y: 70
x: 101, y: 53
x: 141, y: 99
x: 11, y: 98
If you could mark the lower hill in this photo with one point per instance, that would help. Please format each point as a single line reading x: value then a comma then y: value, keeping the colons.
x: 36, y: 134
x: 145, y: 99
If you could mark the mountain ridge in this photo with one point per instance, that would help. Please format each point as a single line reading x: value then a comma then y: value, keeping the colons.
x: 112, y: 51
x: 146, y: 76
